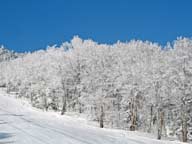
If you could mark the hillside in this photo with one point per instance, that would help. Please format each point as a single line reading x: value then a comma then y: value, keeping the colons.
x: 133, y: 86
x: 21, y: 124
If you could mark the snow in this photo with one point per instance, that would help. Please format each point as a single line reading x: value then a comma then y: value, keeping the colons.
x: 22, y: 124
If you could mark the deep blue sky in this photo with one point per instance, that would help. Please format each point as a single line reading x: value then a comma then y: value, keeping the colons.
x: 28, y: 25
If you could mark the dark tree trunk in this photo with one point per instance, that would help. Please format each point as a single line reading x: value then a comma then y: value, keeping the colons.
x: 63, y: 108
x: 151, y: 118
x: 184, y: 130
x: 101, y: 121
x: 160, y: 125
x: 64, y: 103
x: 133, y: 116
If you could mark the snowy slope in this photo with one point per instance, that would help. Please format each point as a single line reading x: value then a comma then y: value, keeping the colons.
x: 21, y: 124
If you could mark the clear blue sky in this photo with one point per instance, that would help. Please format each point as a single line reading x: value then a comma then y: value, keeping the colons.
x: 28, y: 25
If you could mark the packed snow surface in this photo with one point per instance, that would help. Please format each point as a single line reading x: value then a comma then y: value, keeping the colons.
x: 21, y: 124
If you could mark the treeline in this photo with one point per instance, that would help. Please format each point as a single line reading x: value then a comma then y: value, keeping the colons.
x: 133, y: 86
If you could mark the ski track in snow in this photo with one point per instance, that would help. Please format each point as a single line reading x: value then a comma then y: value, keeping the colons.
x: 20, y: 124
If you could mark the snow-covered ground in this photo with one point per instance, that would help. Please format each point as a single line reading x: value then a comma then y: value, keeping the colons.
x: 21, y: 124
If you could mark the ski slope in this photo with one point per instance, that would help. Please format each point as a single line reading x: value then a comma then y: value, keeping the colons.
x: 21, y: 124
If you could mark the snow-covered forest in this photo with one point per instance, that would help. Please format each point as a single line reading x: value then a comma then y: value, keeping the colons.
x: 134, y: 85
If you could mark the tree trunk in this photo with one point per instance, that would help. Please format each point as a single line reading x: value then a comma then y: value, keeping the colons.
x: 45, y: 102
x: 184, y: 130
x: 151, y: 118
x: 133, y: 117
x: 79, y: 103
x: 101, y: 121
x: 64, y: 103
x: 118, y: 111
x: 63, y: 108
x: 160, y: 125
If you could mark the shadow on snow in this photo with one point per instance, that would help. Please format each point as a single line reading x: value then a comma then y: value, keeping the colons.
x: 4, y: 136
